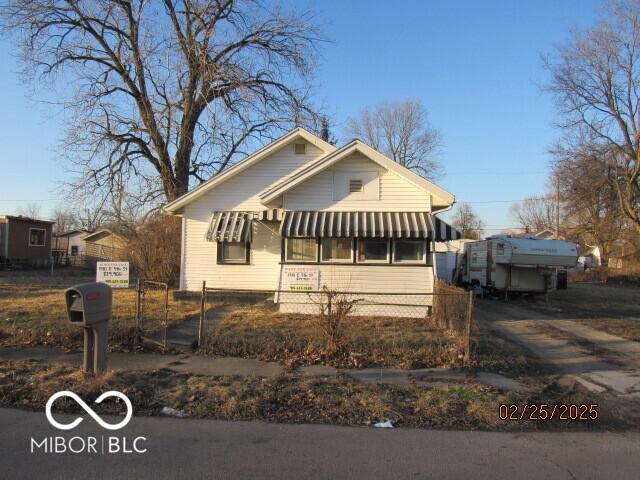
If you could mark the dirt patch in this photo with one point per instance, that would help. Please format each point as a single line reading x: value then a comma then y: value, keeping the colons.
x: 609, y: 307
x: 365, y: 341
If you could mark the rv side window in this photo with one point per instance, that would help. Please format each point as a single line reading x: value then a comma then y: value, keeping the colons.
x: 474, y: 257
x: 500, y: 249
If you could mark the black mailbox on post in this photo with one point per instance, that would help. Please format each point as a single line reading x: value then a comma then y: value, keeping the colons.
x: 89, y: 306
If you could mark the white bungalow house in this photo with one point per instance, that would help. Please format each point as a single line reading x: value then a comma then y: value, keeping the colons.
x: 300, y: 214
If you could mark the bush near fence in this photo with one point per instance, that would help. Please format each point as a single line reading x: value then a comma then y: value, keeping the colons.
x: 310, y: 337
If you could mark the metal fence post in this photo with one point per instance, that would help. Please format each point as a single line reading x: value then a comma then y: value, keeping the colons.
x: 138, y: 304
x: 166, y: 314
x: 202, y: 312
x: 467, y: 353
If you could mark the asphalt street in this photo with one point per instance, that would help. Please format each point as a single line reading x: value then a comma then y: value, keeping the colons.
x: 186, y: 448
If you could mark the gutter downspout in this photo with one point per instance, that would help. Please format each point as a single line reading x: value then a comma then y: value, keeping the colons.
x: 433, y: 228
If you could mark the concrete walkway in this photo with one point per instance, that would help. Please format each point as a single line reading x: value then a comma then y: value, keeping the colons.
x: 235, y: 366
x: 594, y: 372
x: 185, y: 334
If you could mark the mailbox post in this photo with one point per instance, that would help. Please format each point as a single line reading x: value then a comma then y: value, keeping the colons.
x: 89, y: 306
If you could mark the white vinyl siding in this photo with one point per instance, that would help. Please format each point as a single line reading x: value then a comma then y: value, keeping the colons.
x: 396, y: 193
x: 199, y: 256
x: 364, y: 278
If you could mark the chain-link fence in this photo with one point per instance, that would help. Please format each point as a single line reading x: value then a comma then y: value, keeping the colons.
x: 448, y: 308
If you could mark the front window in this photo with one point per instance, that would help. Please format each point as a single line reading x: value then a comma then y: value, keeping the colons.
x: 74, y: 250
x: 36, y: 237
x: 373, y: 250
x: 408, y: 250
x: 302, y: 250
x: 336, y: 249
x: 232, y: 252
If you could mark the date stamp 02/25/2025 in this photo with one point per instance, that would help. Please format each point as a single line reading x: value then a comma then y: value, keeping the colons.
x: 547, y: 412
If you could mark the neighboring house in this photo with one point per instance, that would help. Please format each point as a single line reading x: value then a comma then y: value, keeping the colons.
x: 349, y: 218
x: 104, y: 245
x: 25, y: 240
x: 546, y: 234
x: 69, y: 247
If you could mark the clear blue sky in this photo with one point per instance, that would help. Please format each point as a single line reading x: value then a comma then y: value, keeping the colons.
x: 475, y: 65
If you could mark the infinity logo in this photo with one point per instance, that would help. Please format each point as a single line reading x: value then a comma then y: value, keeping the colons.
x: 94, y: 415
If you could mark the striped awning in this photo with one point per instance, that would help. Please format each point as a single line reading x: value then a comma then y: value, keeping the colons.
x: 230, y: 227
x: 355, y: 224
x: 444, y: 231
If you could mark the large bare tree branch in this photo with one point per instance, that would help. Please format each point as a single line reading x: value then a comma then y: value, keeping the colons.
x: 167, y: 91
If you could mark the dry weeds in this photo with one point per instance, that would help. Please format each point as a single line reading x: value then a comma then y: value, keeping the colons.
x: 365, y: 341
x: 36, y: 315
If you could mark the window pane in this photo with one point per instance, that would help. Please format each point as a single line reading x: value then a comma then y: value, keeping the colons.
x: 336, y: 249
x: 234, y: 252
x: 301, y: 249
x: 36, y: 237
x: 409, y: 250
x: 372, y: 250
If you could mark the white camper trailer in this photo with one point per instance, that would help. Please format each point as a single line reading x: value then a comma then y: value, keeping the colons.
x: 509, y: 264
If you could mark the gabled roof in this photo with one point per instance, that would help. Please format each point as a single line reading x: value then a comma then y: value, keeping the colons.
x: 252, y: 159
x: 101, y: 232
x: 355, y: 146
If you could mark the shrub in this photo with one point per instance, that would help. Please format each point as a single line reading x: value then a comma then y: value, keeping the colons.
x: 154, y: 249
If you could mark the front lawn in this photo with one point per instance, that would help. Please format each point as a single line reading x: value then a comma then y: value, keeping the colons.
x: 35, y: 314
x: 365, y: 341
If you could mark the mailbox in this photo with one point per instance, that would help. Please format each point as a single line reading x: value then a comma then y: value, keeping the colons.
x: 89, y: 306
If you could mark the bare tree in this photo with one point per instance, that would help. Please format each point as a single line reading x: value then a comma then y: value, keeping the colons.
x: 596, y: 84
x: 65, y: 219
x: 467, y: 222
x: 590, y: 206
x: 170, y: 91
x: 31, y: 210
x: 401, y: 131
x: 535, y: 214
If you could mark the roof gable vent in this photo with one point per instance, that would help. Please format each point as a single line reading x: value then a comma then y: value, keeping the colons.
x: 300, y: 148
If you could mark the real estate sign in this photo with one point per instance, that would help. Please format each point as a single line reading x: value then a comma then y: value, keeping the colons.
x: 300, y: 278
x: 114, y: 274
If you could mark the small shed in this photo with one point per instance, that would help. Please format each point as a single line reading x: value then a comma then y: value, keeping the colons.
x: 25, y: 240
x: 105, y: 245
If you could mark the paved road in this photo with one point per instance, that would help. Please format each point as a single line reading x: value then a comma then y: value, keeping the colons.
x: 181, y: 448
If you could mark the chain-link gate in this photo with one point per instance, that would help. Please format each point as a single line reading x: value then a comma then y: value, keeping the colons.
x: 152, y: 311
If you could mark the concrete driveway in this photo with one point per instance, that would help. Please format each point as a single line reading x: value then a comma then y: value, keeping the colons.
x: 181, y: 448
x: 599, y: 361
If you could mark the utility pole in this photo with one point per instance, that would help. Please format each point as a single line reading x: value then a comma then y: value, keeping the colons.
x: 557, y: 205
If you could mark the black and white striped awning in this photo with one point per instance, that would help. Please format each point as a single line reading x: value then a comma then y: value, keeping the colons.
x: 230, y: 226
x: 444, y: 231
x: 356, y: 224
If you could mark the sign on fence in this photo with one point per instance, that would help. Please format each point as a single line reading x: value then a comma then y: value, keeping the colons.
x: 114, y: 274
x: 300, y: 278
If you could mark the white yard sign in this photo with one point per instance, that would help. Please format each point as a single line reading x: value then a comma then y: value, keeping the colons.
x: 300, y: 278
x: 114, y: 274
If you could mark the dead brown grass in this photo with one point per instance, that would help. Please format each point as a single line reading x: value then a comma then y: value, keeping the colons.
x: 32, y: 314
x: 609, y: 307
x: 365, y: 341
x: 292, y: 399
x: 285, y: 398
